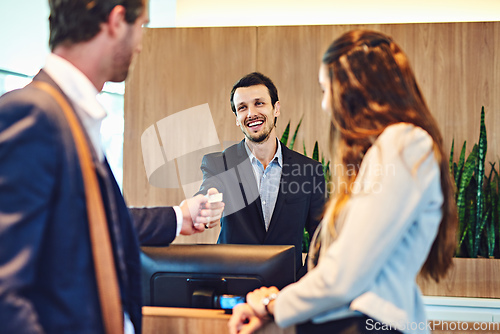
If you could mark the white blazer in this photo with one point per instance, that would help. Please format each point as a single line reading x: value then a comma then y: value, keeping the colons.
x: 388, y: 227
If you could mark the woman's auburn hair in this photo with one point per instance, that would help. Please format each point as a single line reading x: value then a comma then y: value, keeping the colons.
x: 372, y: 87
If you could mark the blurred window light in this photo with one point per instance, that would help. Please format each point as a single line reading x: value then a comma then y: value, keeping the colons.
x: 114, y: 88
x: 112, y: 126
x: 12, y: 82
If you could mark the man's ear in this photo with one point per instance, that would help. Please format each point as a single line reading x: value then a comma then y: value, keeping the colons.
x: 116, y: 21
x: 277, y: 109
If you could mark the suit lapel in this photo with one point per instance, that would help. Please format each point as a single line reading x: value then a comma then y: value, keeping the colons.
x: 107, y: 190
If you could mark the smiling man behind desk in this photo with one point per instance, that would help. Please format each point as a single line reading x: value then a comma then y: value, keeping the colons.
x: 271, y: 192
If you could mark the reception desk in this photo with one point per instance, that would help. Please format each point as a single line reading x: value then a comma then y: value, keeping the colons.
x: 189, y: 321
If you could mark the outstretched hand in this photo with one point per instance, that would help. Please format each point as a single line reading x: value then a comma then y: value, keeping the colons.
x: 215, y: 210
x: 198, y: 214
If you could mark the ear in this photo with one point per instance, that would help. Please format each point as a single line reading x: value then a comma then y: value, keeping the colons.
x: 277, y: 109
x: 116, y: 21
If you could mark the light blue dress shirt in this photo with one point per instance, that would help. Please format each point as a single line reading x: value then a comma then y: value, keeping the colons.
x: 268, y: 181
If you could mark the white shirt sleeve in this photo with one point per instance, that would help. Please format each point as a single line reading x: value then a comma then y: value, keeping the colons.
x: 179, y: 218
x: 128, y: 327
x: 394, y: 176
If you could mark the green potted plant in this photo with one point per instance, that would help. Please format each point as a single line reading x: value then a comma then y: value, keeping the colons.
x: 477, y: 263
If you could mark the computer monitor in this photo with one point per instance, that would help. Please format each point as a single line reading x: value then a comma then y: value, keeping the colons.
x: 209, y: 276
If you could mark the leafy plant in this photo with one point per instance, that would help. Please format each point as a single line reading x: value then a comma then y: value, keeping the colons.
x: 477, y: 199
x: 284, y: 136
x: 476, y: 193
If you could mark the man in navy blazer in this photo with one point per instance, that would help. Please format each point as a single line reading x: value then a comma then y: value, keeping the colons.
x: 47, y: 279
x: 271, y: 193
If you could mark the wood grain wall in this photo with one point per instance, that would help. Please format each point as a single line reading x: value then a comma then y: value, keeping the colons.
x: 180, y: 68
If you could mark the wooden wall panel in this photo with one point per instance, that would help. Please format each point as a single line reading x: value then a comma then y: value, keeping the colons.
x: 176, y: 70
x: 468, y: 278
x: 291, y: 56
x: 179, y: 68
x: 454, y: 63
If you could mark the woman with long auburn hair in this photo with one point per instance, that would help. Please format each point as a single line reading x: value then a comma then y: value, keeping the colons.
x: 391, y: 212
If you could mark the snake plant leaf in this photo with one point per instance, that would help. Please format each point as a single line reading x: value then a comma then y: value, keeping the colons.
x: 306, y: 240
x: 455, y: 174
x: 493, y: 168
x: 492, y: 224
x: 489, y: 234
x: 479, y: 231
x: 496, y: 203
x: 304, y: 145
x: 489, y: 231
x: 284, y: 136
x: 491, y: 173
x: 470, y: 215
x: 467, y: 174
x: 480, y: 196
x: 464, y: 235
x: 292, y: 142
x: 471, y: 223
x: 326, y: 174
x: 461, y: 162
x: 451, y: 155
x: 315, y: 155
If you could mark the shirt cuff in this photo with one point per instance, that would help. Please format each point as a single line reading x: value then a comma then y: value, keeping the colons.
x: 179, y: 219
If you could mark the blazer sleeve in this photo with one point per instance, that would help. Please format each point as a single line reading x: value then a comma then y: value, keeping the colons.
x: 29, y: 159
x: 155, y: 226
x: 211, y: 167
x: 374, y: 222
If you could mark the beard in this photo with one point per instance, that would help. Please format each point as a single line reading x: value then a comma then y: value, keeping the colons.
x: 259, y: 137
x: 122, y: 59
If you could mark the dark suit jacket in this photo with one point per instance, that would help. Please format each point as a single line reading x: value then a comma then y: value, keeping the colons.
x: 299, y: 204
x: 47, y: 281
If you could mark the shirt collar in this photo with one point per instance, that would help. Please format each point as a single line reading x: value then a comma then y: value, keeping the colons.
x: 75, y: 85
x: 278, y: 156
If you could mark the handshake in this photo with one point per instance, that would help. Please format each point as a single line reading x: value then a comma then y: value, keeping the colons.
x: 201, y: 212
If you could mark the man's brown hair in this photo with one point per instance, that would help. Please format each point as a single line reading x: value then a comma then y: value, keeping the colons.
x: 74, y: 21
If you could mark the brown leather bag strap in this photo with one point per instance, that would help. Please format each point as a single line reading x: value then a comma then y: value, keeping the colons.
x: 105, y: 270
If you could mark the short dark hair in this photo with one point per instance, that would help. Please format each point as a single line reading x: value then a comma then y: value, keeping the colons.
x: 73, y: 21
x: 254, y: 79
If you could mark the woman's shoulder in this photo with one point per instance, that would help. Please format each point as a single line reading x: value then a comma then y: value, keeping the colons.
x: 402, y: 143
x: 401, y: 134
x: 405, y: 138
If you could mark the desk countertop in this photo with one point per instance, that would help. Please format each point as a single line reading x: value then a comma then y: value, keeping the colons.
x: 191, y: 320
